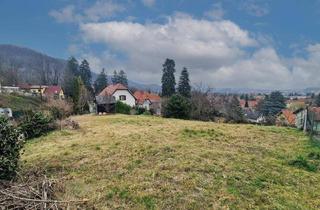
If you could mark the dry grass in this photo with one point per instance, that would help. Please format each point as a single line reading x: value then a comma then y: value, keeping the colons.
x: 136, y: 162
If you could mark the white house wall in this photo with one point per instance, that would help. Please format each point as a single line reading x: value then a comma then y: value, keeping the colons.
x: 130, y: 100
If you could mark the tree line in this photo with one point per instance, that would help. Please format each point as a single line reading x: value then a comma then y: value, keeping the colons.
x: 78, y: 85
x: 184, y: 103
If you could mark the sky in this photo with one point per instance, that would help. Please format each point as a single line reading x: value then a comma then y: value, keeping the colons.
x: 266, y: 44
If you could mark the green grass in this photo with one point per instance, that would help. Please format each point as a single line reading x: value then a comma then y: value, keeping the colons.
x: 145, y: 162
x: 19, y: 103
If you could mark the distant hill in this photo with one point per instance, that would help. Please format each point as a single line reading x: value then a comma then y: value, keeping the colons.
x: 24, y: 65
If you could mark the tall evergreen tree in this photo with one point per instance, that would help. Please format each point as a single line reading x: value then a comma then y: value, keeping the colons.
x: 184, y: 87
x: 247, y: 101
x: 85, y: 74
x: 317, y: 100
x: 168, y: 80
x: 80, y: 96
x: 272, y: 104
x: 115, y: 77
x: 71, y: 72
x: 101, y: 82
x: 122, y: 78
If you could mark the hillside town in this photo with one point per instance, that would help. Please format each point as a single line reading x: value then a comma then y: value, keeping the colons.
x: 299, y: 111
x: 149, y: 104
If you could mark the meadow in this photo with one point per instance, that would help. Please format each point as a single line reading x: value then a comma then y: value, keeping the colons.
x: 145, y: 162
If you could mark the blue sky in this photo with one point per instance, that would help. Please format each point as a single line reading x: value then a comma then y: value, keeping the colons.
x: 244, y: 43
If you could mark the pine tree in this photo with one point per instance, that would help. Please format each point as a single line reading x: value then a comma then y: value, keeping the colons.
x: 184, y: 87
x: 85, y: 74
x: 115, y: 77
x: 101, y: 82
x: 272, y: 104
x: 177, y: 106
x: 317, y: 100
x: 247, y: 101
x: 80, y: 96
x: 168, y: 79
x: 71, y: 72
x: 122, y: 78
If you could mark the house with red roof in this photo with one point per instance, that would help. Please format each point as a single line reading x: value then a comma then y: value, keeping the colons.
x: 119, y: 92
x: 252, y: 104
x: 149, y: 101
x: 54, y: 92
x: 286, y: 117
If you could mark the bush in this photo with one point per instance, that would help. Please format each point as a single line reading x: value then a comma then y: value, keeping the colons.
x: 140, y: 110
x: 122, y: 108
x: 59, y: 110
x: 177, y: 107
x: 303, y: 163
x: 234, y: 111
x: 10, y: 146
x: 147, y: 112
x: 36, y: 124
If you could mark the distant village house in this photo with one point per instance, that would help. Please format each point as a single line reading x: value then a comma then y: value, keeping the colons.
x: 149, y: 101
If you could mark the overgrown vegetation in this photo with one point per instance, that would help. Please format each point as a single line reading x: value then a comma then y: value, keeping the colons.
x: 11, y: 143
x: 178, y: 107
x: 122, y: 108
x: 35, y: 124
x: 20, y: 104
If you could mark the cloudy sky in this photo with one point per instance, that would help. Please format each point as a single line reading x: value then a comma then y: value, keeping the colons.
x: 227, y: 43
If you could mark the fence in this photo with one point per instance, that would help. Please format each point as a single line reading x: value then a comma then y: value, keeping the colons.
x: 313, y: 124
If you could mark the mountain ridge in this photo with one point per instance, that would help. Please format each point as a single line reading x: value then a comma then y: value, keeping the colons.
x: 24, y: 65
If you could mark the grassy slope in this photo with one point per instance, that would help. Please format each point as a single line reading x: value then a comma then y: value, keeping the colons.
x: 146, y: 162
x: 19, y: 103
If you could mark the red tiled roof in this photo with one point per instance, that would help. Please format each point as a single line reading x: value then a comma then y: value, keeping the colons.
x: 51, y: 90
x: 290, y: 117
x: 108, y: 91
x: 24, y: 86
x: 251, y: 103
x: 141, y: 96
x: 316, y: 111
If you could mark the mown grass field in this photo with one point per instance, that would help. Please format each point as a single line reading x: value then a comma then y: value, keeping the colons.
x: 144, y: 162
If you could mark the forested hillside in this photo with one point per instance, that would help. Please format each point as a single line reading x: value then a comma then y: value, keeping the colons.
x: 23, y: 65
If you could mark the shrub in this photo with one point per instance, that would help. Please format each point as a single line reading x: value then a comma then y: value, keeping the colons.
x: 140, y: 110
x: 10, y: 146
x: 303, y: 163
x: 177, y: 107
x: 35, y: 124
x: 122, y: 108
x: 147, y: 112
x: 59, y: 110
x: 234, y: 111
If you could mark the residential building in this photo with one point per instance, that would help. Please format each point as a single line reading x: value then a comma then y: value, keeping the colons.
x: 149, y: 101
x: 119, y: 92
x: 54, y: 92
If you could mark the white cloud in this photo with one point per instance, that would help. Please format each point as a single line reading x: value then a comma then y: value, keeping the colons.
x: 100, y: 10
x: 198, y: 44
x: 215, y: 51
x: 216, y: 13
x: 255, y: 7
x: 263, y: 69
x: 65, y: 15
x: 148, y: 3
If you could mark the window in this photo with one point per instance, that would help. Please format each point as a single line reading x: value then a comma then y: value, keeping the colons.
x: 122, y: 98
